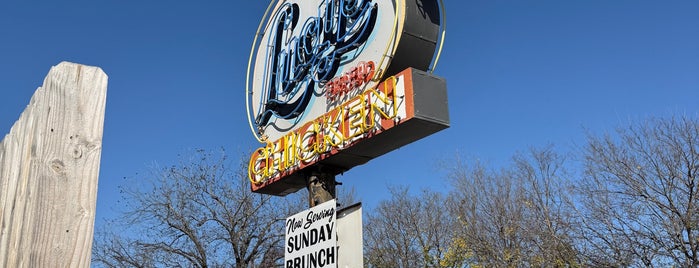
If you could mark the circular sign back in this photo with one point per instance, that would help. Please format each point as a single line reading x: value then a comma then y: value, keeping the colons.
x: 312, y: 55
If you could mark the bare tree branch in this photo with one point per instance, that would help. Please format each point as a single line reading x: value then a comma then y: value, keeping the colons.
x: 199, y: 213
x: 639, y: 195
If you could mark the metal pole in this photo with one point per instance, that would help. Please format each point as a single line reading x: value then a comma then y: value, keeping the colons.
x: 321, y: 187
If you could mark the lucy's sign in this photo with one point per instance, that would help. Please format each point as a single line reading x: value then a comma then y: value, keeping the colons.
x: 306, y: 47
x: 302, y: 55
x: 321, y: 82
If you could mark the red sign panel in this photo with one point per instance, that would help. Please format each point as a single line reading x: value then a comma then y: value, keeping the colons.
x: 400, y: 110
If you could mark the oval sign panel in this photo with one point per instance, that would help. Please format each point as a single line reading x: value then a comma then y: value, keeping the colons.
x: 310, y: 56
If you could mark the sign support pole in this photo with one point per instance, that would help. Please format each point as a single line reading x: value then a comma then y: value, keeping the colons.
x: 321, y: 187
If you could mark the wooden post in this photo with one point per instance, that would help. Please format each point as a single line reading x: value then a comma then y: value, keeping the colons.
x: 49, y: 165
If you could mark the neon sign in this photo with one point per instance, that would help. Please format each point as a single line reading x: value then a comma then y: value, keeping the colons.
x: 300, y: 56
x: 355, y: 78
x: 323, y: 76
x: 367, y: 114
x: 372, y: 123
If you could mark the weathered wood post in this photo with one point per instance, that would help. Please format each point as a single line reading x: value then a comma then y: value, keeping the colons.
x: 49, y: 165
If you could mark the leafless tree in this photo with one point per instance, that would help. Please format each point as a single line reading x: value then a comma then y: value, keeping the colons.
x: 547, y: 199
x: 112, y: 250
x: 488, y: 210
x: 638, y: 198
x: 409, y: 231
x: 199, y: 213
x: 514, y: 217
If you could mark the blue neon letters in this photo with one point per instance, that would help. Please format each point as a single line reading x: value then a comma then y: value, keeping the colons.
x: 296, y: 61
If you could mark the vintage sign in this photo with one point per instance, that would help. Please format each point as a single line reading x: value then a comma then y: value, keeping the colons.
x: 311, y: 53
x: 325, y: 75
x: 398, y: 111
x: 311, y: 238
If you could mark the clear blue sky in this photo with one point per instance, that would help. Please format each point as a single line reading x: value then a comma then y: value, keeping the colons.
x: 519, y: 74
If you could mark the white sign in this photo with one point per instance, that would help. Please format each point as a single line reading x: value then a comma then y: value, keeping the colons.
x: 310, y: 51
x: 350, y: 237
x: 311, y: 238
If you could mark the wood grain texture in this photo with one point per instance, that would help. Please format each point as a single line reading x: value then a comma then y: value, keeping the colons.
x: 49, y: 166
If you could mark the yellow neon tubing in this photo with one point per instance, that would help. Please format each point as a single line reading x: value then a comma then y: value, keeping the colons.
x: 392, y: 45
x: 393, y: 42
x: 248, y: 91
x: 444, y: 33
x: 251, y: 166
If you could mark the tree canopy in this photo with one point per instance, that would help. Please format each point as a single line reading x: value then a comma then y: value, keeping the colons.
x: 623, y: 199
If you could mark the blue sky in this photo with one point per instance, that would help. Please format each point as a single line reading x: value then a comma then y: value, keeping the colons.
x: 519, y: 74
